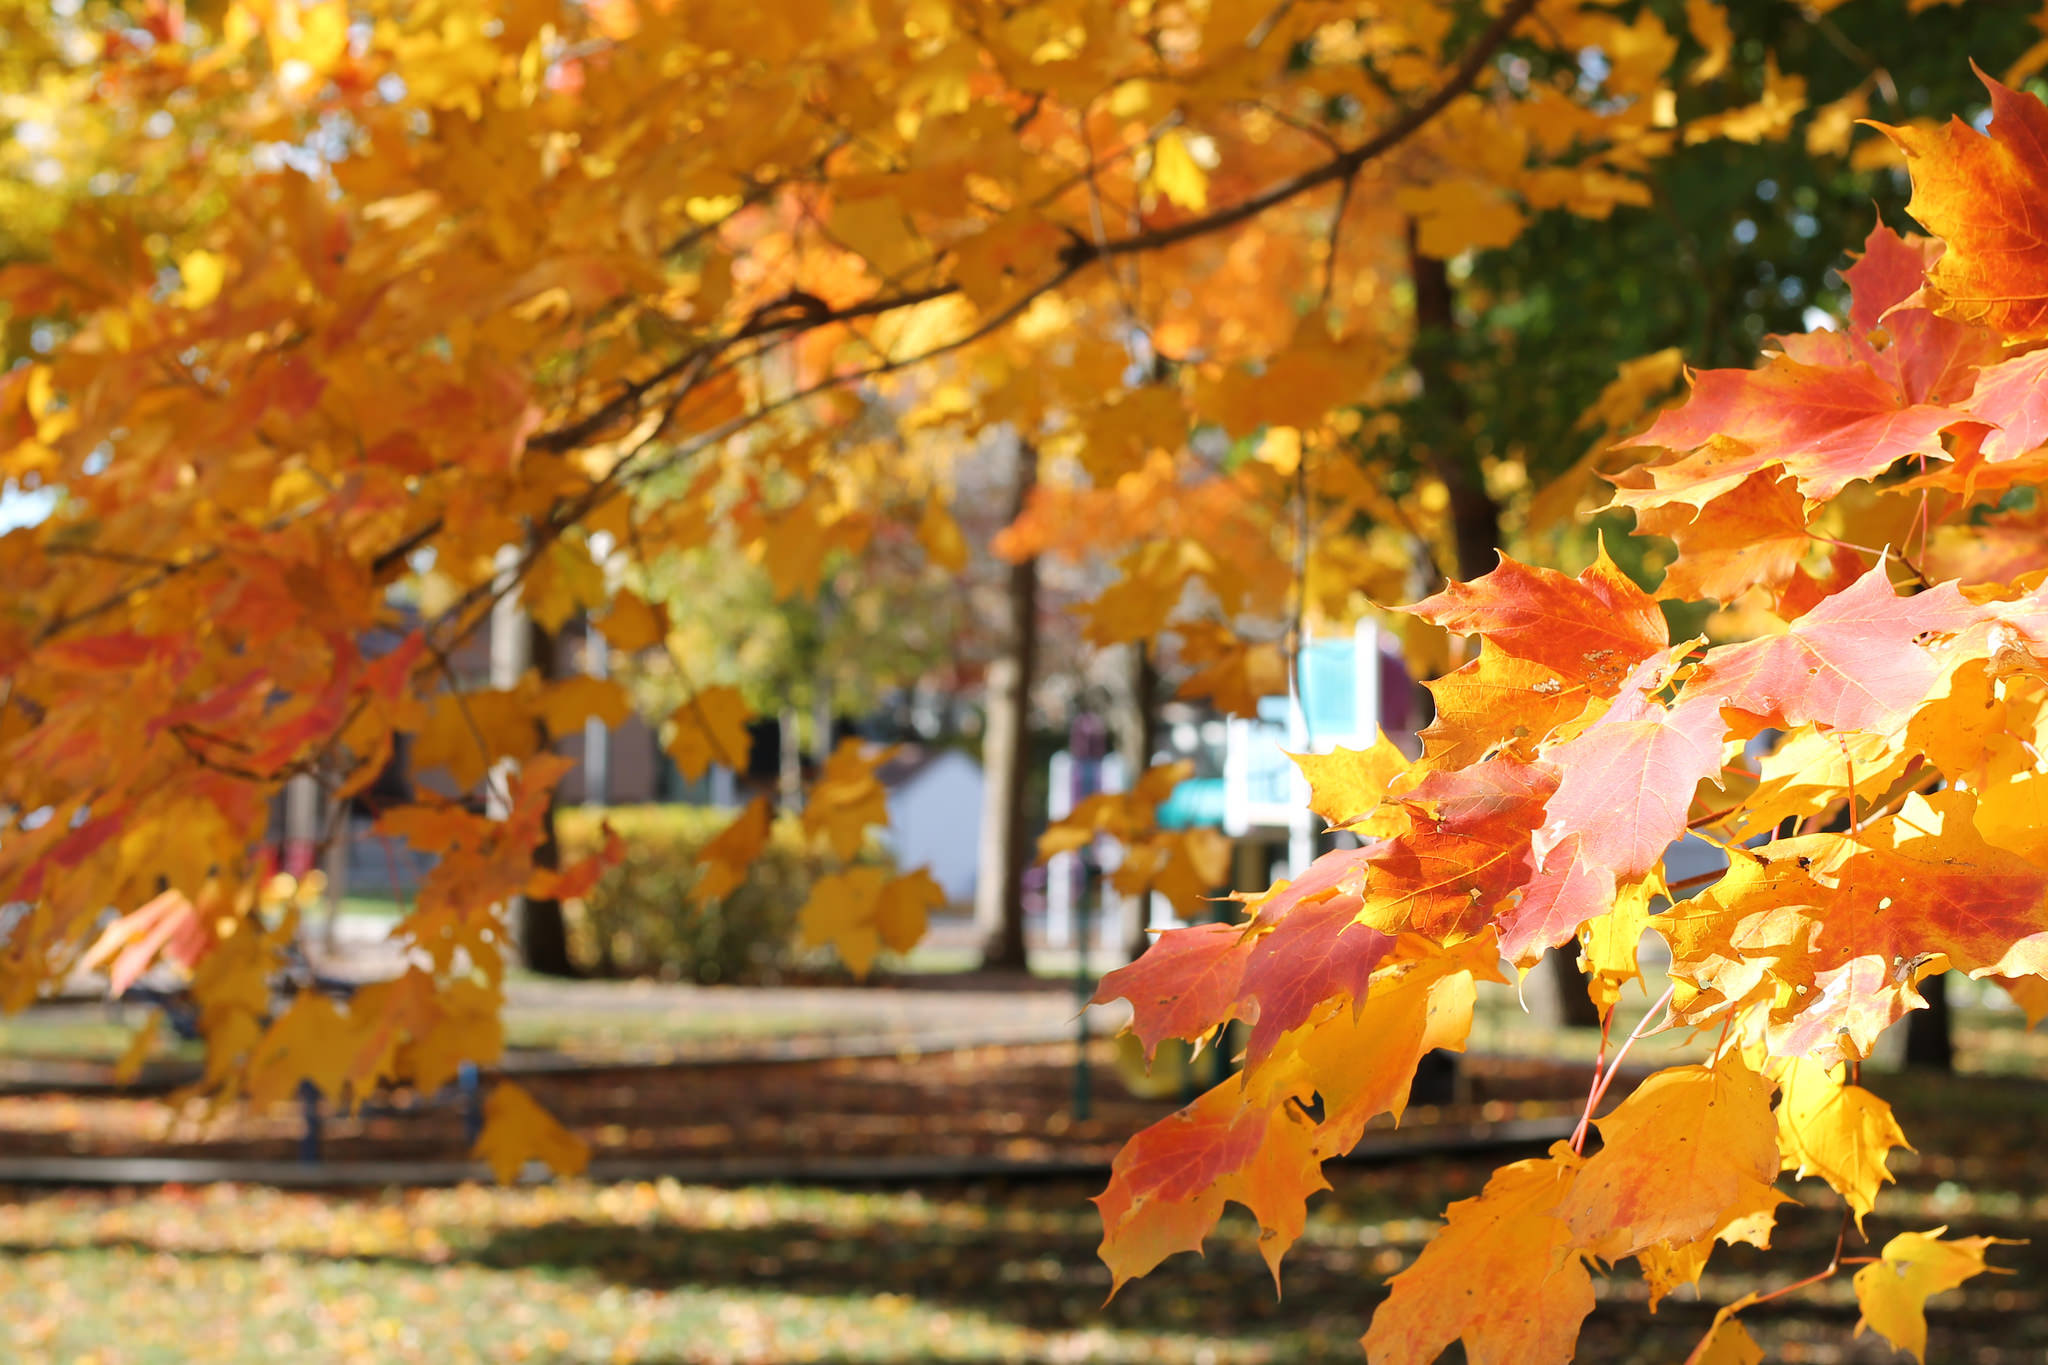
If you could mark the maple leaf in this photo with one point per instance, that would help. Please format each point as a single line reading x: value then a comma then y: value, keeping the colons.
x: 167, y: 924
x: 1175, y: 173
x: 1346, y: 785
x: 1497, y: 702
x: 1612, y: 939
x: 847, y: 797
x: 1839, y: 1132
x: 470, y: 1028
x: 1970, y: 189
x: 863, y: 910
x: 517, y: 1130
x: 1185, y: 866
x: 1361, y: 1060
x: 1502, y: 1275
x: 632, y: 623
x: 1752, y: 1217
x: 1893, y: 1291
x: 1827, y: 426
x: 1593, y: 629
x: 2011, y: 397
x: 1184, y: 985
x: 309, y: 1041
x: 711, y: 727
x: 725, y: 858
x: 1727, y: 1342
x: 1857, y: 661
x: 1625, y: 789
x: 1243, y: 1141
x: 1232, y: 672
x: 1755, y: 533
x: 1467, y: 848
x: 1316, y: 951
x: 1162, y: 1195
x: 1689, y: 1143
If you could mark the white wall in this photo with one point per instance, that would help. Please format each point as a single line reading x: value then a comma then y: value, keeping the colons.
x: 935, y: 822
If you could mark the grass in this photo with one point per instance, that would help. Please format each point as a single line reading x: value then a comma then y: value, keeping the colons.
x: 667, y: 1273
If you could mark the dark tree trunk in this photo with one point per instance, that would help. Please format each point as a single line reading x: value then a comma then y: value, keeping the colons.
x: 999, y: 887
x: 1929, y: 1046
x: 541, y: 931
x: 1475, y: 529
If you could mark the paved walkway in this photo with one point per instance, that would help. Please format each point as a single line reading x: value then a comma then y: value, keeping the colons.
x: 554, y: 1025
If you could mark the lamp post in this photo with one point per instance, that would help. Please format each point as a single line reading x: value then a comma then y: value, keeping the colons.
x: 1087, y: 743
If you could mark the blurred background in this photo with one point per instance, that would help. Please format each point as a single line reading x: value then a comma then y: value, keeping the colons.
x: 789, y: 1164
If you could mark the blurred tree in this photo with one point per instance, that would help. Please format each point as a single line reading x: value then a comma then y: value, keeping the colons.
x: 381, y: 289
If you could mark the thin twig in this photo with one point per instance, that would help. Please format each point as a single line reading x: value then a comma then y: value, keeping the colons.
x: 1600, y: 1090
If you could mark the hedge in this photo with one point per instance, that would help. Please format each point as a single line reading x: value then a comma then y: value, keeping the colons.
x: 640, y: 919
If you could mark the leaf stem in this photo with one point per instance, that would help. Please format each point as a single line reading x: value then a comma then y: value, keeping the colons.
x: 1599, y: 1091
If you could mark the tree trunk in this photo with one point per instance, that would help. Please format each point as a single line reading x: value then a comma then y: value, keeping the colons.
x: 542, y: 932
x: 789, y: 761
x: 1929, y: 1046
x: 1136, y: 736
x: 1475, y: 529
x: 999, y: 885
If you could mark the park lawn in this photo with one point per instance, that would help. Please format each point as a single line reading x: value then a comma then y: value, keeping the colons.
x: 663, y: 1272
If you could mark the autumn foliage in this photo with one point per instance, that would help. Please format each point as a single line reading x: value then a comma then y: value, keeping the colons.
x: 338, y: 324
x: 334, y: 325
x: 1862, y: 733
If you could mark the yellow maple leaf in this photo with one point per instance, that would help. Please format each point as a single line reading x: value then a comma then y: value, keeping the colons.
x: 471, y: 1028
x: 311, y: 1041
x: 725, y: 859
x: 1644, y: 1186
x: 847, y: 797
x: 710, y: 727
x: 141, y: 1047
x: 1234, y: 673
x: 568, y: 702
x: 1610, y: 940
x: 1833, y: 125
x: 1175, y: 174
x: 1839, y: 1132
x: 1345, y: 785
x: 841, y: 912
x: 203, y: 273
x: 1455, y: 216
x: 1893, y: 1291
x: 465, y: 733
x: 1196, y: 864
x: 1727, y: 1342
x: 1501, y: 1275
x: 941, y: 538
x: 1769, y: 118
x: 517, y: 1130
x: 633, y: 623
x: 903, y: 906
x: 862, y: 910
x: 1136, y: 606
x: 1709, y: 24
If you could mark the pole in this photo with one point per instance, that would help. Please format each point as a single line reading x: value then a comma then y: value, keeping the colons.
x: 1087, y: 743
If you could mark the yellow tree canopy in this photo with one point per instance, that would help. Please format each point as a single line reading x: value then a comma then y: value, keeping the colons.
x: 347, y: 298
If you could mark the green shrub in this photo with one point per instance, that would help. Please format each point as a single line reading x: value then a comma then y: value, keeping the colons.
x: 640, y: 919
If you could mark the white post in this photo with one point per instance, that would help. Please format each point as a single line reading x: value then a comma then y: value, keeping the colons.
x: 1301, y: 830
x: 1059, y: 869
x: 301, y: 824
x: 511, y: 652
x: 597, y: 736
